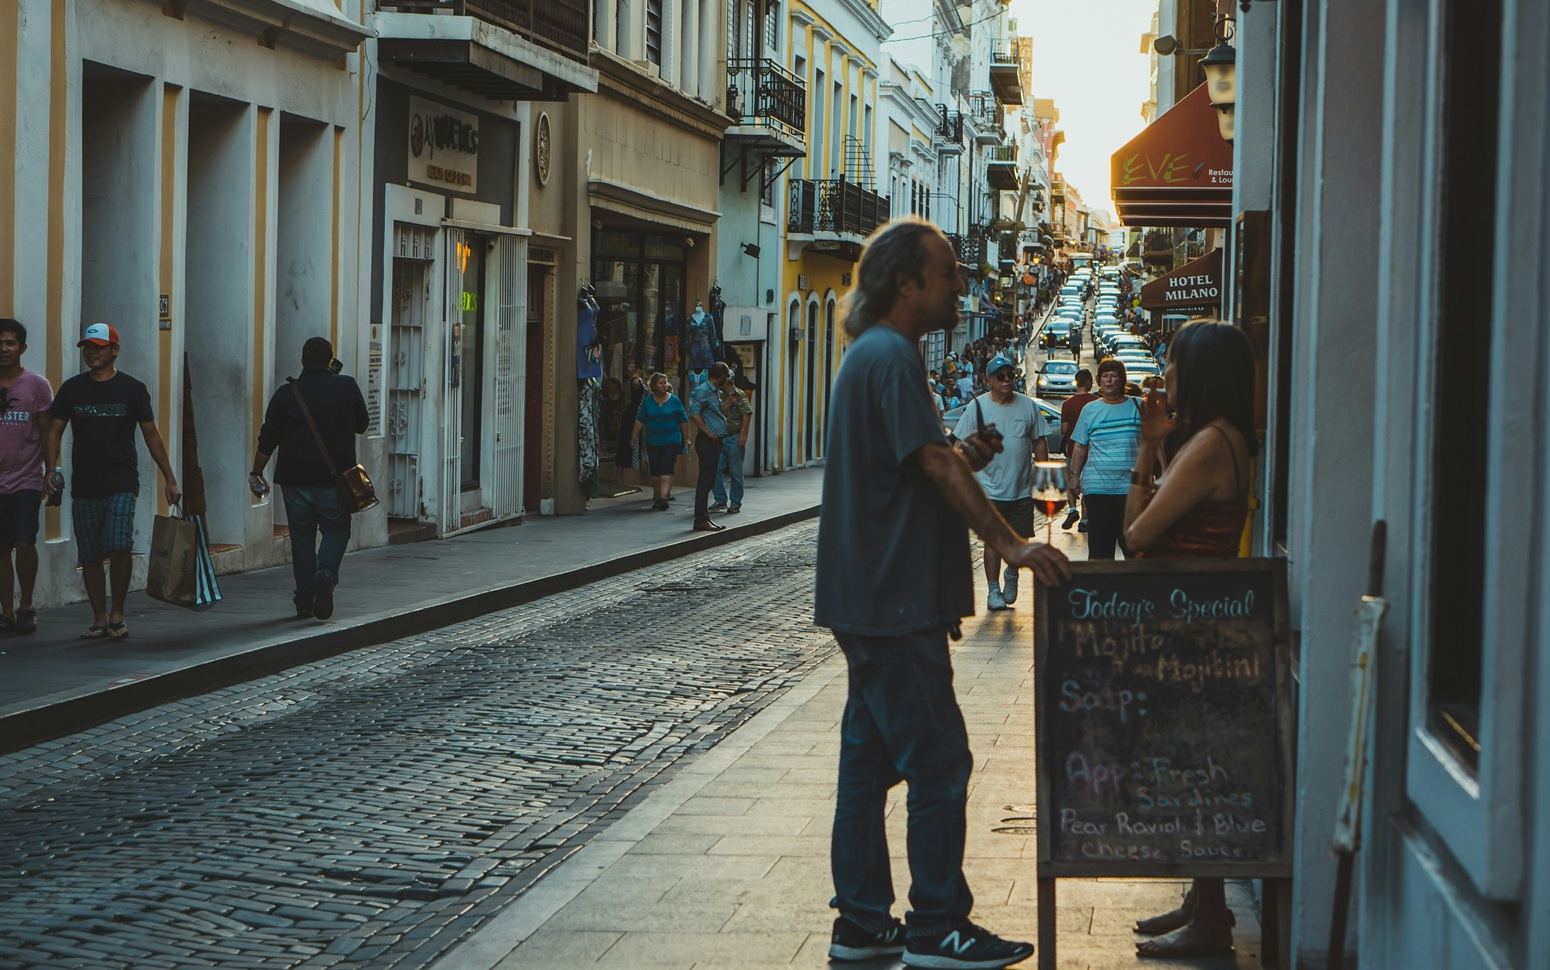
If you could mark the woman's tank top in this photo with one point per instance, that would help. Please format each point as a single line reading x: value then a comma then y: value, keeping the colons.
x: 1210, y: 530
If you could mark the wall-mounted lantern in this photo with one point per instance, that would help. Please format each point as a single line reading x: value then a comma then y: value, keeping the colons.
x: 1221, y: 67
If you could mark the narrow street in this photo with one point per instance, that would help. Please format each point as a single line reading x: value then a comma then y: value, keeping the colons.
x: 349, y: 811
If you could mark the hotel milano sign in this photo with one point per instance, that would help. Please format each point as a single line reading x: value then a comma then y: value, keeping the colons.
x: 1195, y: 287
x: 443, y: 146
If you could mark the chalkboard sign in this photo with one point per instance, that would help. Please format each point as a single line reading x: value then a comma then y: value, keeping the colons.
x: 1164, y: 720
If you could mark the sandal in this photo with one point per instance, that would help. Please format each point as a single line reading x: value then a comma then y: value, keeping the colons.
x: 26, y: 622
x: 119, y: 630
x: 1171, y: 920
x: 1191, y: 942
x: 96, y: 632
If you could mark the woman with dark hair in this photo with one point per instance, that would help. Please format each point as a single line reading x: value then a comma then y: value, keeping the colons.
x: 1195, y: 510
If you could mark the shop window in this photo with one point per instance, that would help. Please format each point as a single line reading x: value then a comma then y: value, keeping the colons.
x: 468, y: 357
x: 639, y: 279
x: 1466, y: 768
x: 1464, y: 331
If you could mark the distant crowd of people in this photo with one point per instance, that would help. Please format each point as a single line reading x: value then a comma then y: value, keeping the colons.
x: 965, y: 375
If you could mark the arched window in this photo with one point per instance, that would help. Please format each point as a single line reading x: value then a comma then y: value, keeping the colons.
x: 793, y: 360
x: 828, y: 366
x: 809, y: 386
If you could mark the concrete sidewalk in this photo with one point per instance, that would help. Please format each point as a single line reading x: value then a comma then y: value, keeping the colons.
x: 53, y: 683
x: 726, y: 865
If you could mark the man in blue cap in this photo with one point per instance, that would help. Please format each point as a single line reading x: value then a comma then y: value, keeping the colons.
x: 1008, y: 479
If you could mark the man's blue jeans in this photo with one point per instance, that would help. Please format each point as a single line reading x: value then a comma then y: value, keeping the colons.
x: 901, y: 723
x: 731, y: 462
x: 310, y: 509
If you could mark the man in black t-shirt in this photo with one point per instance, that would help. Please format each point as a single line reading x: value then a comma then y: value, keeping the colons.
x: 319, y: 525
x: 104, y: 406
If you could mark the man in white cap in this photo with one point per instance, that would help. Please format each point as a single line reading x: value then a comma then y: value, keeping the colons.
x: 105, y: 405
x: 1008, y: 478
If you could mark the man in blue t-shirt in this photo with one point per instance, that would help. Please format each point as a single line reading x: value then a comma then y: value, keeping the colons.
x: 1105, y: 443
x: 893, y: 580
x: 710, y: 425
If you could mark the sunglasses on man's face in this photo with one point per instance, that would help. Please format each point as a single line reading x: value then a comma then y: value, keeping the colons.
x: 1005, y: 375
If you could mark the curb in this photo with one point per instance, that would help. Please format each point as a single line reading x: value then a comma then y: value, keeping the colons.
x: 47, y: 721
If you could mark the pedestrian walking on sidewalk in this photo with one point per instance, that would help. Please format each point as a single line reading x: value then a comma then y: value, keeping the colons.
x: 665, y: 424
x: 738, y: 412
x: 23, y: 426
x: 1008, y: 478
x: 1196, y: 510
x: 1104, y: 443
x: 711, y: 426
x: 894, y: 579
x: 311, y: 497
x: 104, y: 406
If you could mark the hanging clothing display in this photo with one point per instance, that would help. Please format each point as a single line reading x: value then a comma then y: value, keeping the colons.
x: 701, y: 352
x: 589, y: 350
x: 718, y: 313
x: 586, y: 435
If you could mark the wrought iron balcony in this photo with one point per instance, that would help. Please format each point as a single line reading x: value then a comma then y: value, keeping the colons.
x: 989, y: 117
x: 971, y: 248
x: 762, y: 94
x: 950, y: 128
x: 560, y: 25
x: 1005, y: 76
x: 1001, y: 168
x: 834, y: 205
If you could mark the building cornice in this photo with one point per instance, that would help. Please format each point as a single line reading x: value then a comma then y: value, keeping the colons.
x: 628, y: 81
x: 310, y: 26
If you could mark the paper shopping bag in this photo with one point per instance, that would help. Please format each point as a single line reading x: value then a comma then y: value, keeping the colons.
x: 171, y: 576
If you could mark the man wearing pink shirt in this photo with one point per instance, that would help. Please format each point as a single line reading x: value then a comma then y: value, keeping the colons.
x: 23, y: 417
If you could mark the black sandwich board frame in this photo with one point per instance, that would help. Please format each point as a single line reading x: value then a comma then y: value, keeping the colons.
x: 1049, y: 868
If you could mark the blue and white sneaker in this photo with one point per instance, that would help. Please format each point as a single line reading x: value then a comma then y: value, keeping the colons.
x: 966, y: 947
x: 851, y: 942
x: 1009, y: 585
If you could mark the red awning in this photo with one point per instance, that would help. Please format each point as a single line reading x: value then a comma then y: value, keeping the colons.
x: 1195, y: 287
x: 1178, y: 172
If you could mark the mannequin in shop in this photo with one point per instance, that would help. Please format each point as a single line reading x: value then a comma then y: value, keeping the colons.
x: 701, y: 353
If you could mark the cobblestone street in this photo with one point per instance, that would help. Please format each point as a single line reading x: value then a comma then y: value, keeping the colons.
x: 346, y: 812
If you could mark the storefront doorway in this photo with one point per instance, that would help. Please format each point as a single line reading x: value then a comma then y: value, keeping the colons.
x: 640, y: 283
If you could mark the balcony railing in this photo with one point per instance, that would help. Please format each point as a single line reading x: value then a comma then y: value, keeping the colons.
x: 988, y: 114
x: 834, y: 205
x: 970, y: 248
x: 560, y: 25
x: 762, y: 94
x: 1005, y: 76
x: 951, y: 125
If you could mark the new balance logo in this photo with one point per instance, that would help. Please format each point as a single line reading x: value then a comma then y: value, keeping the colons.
x: 955, y: 942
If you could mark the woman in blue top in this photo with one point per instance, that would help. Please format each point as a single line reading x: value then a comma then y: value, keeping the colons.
x: 666, y: 424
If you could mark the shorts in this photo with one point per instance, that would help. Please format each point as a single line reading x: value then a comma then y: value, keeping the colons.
x: 1018, y: 514
x: 103, y: 525
x: 661, y: 459
x: 19, y: 518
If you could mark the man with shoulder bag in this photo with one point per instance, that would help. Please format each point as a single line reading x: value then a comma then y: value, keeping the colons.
x: 313, y: 421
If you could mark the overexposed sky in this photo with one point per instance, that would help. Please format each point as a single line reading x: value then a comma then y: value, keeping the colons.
x: 1087, y: 56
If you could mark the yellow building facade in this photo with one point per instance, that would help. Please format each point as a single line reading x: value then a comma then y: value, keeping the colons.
x: 833, y: 201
